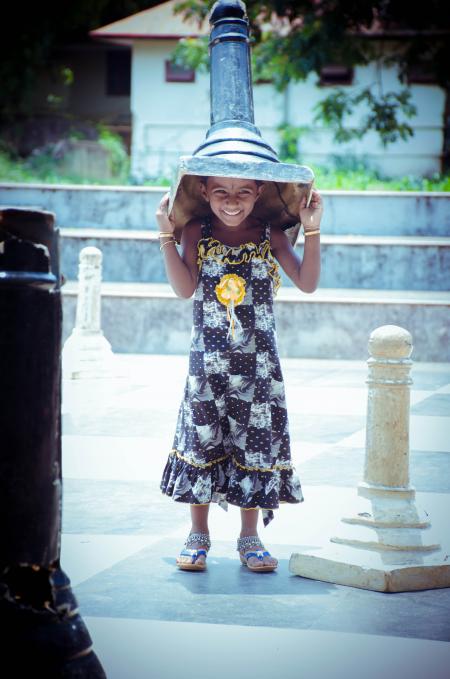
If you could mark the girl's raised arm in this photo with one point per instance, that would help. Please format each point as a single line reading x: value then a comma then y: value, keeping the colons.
x: 304, y: 273
x: 181, y: 270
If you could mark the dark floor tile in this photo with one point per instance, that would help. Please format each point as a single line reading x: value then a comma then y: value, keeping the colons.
x: 436, y: 404
x: 324, y: 428
x: 148, y: 586
x: 429, y: 380
x: 429, y: 472
x: 118, y: 507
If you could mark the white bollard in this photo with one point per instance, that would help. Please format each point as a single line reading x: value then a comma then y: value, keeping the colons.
x: 385, y: 544
x: 387, y: 429
x: 87, y: 353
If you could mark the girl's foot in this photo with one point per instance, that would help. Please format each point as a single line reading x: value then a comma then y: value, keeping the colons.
x: 253, y: 554
x: 193, y: 556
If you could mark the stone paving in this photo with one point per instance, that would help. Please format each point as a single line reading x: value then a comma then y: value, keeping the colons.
x: 121, y: 535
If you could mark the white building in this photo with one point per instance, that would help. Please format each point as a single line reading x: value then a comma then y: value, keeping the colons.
x: 170, y: 107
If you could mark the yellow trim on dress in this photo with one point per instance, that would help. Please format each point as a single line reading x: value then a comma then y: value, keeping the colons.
x: 210, y: 248
x: 204, y: 465
x: 276, y: 467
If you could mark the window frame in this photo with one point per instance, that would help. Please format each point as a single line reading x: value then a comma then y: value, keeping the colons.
x: 178, y: 74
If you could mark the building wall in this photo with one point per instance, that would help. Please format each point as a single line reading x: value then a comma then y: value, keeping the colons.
x: 420, y: 154
x: 86, y: 97
x: 171, y: 119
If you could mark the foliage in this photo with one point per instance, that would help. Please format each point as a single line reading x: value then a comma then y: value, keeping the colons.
x: 288, y: 150
x: 33, y: 33
x: 118, y: 156
x: 360, y: 178
x: 291, y: 40
x: 43, y: 165
x: 382, y: 117
x: 192, y: 53
x: 348, y: 175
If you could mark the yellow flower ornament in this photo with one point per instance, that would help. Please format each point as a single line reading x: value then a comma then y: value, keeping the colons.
x: 230, y: 292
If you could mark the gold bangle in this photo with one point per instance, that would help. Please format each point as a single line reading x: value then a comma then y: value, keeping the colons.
x: 172, y: 240
x: 165, y: 233
x: 311, y: 233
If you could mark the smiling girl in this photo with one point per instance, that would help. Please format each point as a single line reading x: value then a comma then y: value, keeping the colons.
x: 232, y: 440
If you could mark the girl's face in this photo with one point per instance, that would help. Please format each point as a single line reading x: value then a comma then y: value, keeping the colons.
x: 231, y: 200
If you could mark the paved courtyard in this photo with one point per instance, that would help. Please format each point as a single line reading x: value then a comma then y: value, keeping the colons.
x: 121, y: 535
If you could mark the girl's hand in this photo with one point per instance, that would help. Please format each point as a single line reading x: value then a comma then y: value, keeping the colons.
x: 162, y: 216
x: 311, y: 216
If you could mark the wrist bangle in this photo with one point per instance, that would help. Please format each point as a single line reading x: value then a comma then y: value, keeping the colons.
x: 311, y: 233
x: 172, y: 240
x: 165, y: 233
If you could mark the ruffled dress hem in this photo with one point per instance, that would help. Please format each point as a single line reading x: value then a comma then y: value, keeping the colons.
x: 227, y: 482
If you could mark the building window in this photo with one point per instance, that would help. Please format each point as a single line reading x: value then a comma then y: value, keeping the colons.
x: 179, y: 74
x: 264, y: 81
x: 335, y: 74
x: 118, y: 73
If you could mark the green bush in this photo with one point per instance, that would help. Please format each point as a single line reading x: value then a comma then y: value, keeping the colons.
x: 119, y: 158
x: 348, y: 176
x: 366, y: 180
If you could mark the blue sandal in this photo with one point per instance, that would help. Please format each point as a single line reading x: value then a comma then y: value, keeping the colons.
x: 203, y: 538
x: 246, y: 547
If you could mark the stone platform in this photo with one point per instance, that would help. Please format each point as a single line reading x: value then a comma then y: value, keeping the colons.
x: 121, y: 535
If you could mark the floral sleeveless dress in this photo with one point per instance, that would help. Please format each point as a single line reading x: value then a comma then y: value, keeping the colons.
x: 232, y: 440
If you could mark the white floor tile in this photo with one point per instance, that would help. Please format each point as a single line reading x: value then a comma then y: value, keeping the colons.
x: 83, y: 555
x: 147, y: 649
x: 113, y: 457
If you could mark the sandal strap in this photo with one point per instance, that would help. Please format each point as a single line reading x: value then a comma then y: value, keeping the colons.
x: 202, y: 538
x: 194, y: 553
x: 249, y: 542
x: 259, y: 555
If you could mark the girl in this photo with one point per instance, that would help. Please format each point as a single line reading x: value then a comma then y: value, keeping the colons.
x: 232, y: 440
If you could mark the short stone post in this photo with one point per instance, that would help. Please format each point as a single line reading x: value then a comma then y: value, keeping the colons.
x: 385, y: 544
x: 87, y: 352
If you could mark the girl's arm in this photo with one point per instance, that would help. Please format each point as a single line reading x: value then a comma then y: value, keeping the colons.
x: 304, y: 273
x: 181, y: 270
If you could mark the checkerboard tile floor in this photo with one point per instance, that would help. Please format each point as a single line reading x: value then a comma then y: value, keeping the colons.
x: 121, y: 535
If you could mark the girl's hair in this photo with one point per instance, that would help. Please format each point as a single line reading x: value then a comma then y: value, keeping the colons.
x: 258, y: 182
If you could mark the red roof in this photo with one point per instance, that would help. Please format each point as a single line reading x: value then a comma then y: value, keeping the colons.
x: 156, y: 23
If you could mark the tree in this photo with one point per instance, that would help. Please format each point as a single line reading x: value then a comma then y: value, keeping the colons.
x: 32, y: 32
x: 293, y: 39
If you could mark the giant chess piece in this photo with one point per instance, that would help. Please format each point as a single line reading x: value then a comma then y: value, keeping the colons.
x: 233, y: 146
x: 86, y: 352
x: 42, y: 631
x: 385, y: 544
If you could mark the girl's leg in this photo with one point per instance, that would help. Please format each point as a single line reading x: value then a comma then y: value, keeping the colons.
x: 249, y: 522
x: 199, y: 519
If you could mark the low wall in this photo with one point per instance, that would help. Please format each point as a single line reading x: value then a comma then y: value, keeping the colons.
x: 380, y: 213
x: 308, y: 326
x: 383, y: 262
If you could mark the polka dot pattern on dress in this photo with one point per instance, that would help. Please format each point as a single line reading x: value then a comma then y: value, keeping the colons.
x: 231, y: 442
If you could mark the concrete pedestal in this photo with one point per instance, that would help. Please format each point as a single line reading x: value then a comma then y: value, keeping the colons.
x: 87, y: 353
x: 385, y: 544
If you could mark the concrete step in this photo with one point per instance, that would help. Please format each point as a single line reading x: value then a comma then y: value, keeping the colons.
x: 384, y: 213
x: 329, y: 323
x: 381, y: 262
